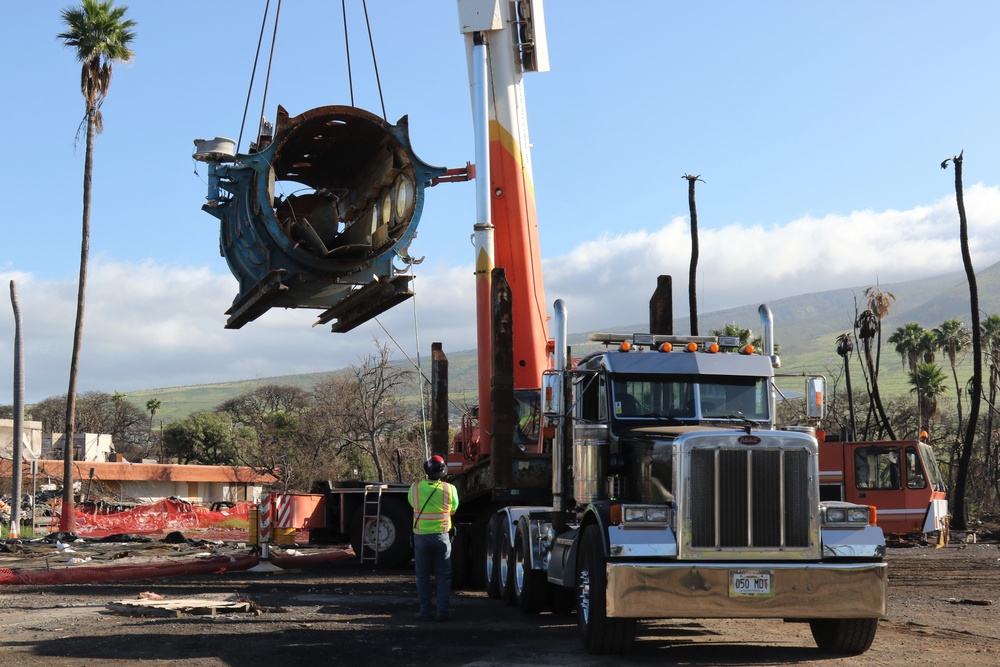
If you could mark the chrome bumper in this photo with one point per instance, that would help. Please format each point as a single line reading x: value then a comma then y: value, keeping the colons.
x: 701, y: 590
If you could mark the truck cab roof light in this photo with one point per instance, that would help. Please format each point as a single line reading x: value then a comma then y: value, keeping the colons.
x: 666, y: 347
x: 692, y: 347
x: 713, y: 348
x: 625, y: 346
x: 747, y: 349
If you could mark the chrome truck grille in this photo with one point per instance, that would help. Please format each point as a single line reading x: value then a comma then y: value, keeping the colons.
x: 750, y: 498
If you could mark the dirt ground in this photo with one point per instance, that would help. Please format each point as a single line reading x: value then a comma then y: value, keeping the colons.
x: 342, y: 613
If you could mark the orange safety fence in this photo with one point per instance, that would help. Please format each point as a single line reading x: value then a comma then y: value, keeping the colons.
x: 162, y: 516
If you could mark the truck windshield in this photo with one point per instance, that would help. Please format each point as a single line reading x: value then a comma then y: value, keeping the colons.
x: 931, y: 466
x: 690, y: 397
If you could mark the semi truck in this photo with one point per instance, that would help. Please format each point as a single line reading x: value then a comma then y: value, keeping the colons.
x: 645, y: 480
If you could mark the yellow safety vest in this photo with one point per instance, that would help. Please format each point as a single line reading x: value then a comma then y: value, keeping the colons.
x: 433, y: 503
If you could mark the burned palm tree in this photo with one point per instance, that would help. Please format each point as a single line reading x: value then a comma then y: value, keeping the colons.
x: 869, y: 328
x: 845, y: 348
x: 977, y: 349
x: 693, y: 271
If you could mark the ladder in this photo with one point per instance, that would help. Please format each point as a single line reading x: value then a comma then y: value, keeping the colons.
x: 371, y: 508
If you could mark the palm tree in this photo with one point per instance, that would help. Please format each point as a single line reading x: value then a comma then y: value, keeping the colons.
x: 908, y: 339
x: 745, y: 336
x: 845, y: 347
x: 101, y: 36
x: 928, y: 382
x: 977, y: 349
x: 953, y: 338
x: 929, y: 347
x: 869, y: 325
x: 152, y: 407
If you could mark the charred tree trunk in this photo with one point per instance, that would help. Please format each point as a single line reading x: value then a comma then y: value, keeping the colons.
x: 693, y: 271
x: 959, y: 515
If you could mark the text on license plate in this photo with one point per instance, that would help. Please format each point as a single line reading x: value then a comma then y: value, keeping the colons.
x: 751, y: 583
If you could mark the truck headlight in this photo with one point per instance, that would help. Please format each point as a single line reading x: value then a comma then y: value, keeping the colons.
x: 847, y: 515
x: 633, y: 514
x: 858, y: 514
x: 647, y: 515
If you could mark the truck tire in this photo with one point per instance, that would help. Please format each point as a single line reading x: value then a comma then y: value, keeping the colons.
x: 390, y: 534
x: 845, y: 636
x: 529, y: 584
x: 506, y: 578
x: 600, y: 634
x: 492, y: 559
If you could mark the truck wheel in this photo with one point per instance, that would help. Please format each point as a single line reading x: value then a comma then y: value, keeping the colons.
x: 492, y: 559
x: 506, y: 578
x: 390, y: 534
x: 460, y: 558
x: 600, y: 634
x: 846, y: 636
x: 529, y: 584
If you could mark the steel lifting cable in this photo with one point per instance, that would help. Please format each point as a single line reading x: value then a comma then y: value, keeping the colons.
x: 253, y: 74
x: 371, y: 44
x: 347, y: 47
x: 270, y: 61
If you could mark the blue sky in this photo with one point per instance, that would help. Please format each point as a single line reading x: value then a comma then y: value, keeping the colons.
x: 818, y: 129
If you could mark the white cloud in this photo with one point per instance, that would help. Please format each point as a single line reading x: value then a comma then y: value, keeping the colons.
x: 152, y: 325
x: 608, y: 281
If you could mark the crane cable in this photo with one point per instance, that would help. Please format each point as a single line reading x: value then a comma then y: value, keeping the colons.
x: 253, y: 71
x: 371, y: 45
x: 422, y: 378
x: 270, y: 61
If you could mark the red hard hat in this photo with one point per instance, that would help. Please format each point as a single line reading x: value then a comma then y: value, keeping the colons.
x: 435, y: 467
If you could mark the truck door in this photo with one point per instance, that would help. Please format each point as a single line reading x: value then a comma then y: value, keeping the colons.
x: 884, y: 477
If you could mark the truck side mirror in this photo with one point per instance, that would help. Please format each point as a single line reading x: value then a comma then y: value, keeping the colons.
x: 815, y: 400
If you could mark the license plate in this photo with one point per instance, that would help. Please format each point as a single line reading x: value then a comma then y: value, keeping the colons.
x: 751, y: 583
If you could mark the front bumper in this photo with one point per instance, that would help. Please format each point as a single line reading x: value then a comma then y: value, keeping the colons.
x: 701, y: 590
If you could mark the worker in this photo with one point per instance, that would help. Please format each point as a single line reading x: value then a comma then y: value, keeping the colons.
x: 433, y: 501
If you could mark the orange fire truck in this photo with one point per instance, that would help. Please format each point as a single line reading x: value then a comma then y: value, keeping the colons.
x: 900, y: 478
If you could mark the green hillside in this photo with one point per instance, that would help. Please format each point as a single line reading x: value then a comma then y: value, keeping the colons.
x: 806, y: 329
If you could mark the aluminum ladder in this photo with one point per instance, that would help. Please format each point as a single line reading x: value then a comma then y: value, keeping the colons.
x: 371, y: 508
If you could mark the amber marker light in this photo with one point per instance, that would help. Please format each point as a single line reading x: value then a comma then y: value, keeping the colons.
x: 625, y: 346
x: 747, y: 349
x: 692, y: 347
x: 616, y: 514
x: 666, y: 347
x: 713, y: 347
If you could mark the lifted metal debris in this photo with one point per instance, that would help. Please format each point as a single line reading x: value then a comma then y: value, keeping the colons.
x: 315, y: 215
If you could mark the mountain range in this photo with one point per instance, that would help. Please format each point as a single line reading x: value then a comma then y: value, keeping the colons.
x: 806, y: 329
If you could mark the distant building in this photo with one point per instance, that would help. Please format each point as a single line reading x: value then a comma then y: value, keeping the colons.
x: 31, y: 443
x: 100, y: 473
x: 86, y: 446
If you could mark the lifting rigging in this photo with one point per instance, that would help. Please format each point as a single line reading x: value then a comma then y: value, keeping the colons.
x: 314, y: 214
